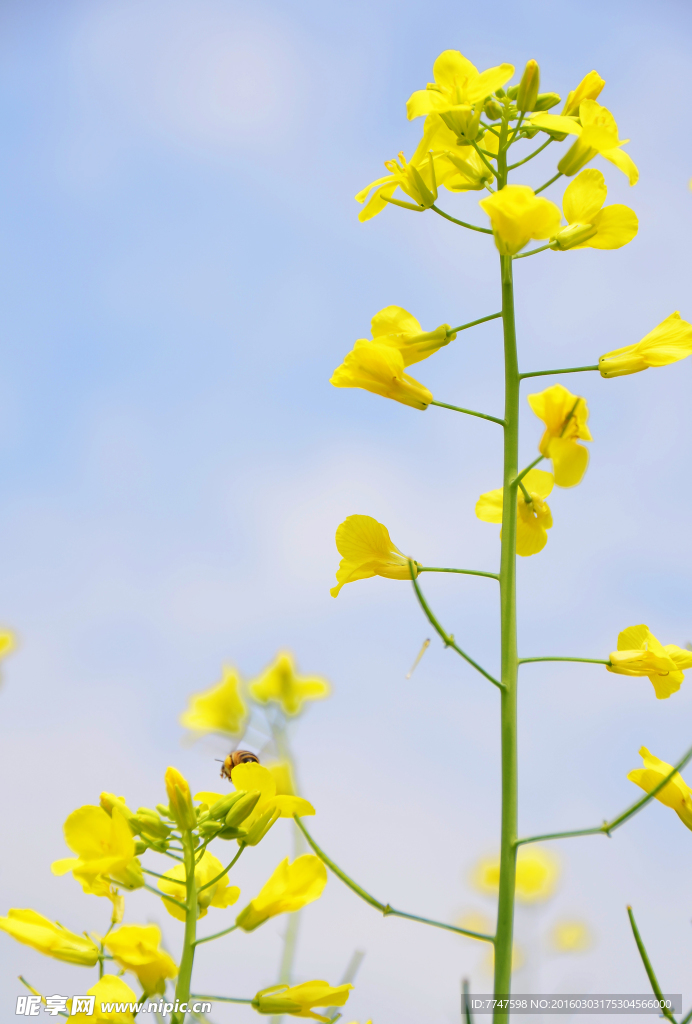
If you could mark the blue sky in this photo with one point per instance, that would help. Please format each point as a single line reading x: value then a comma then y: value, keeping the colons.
x: 183, y: 269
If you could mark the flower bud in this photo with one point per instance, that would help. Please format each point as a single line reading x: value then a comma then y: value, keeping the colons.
x: 500, y: 93
x: 574, y: 159
x: 141, y: 847
x: 512, y: 91
x: 492, y: 110
x: 242, y: 808
x: 108, y: 801
x: 573, y: 234
x: 234, y: 832
x: 262, y: 826
x: 527, y: 93
x: 150, y: 824
x: 210, y: 827
x: 131, y: 877
x: 621, y: 362
x: 164, y: 810
x: 546, y: 100
x: 220, y: 809
x: 180, y: 799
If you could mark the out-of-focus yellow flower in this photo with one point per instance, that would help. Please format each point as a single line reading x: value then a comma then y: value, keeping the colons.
x: 220, y: 895
x: 136, y: 948
x: 534, y: 518
x: 282, y: 773
x: 598, y: 133
x: 180, y: 799
x: 8, y: 641
x: 588, y: 225
x: 49, y: 938
x: 588, y: 89
x: 517, y: 215
x: 300, y: 1000
x: 458, y: 88
x: 380, y: 369
x: 252, y: 778
x: 475, y: 921
x: 109, y: 989
x: 219, y: 709
x: 639, y: 653
x: 538, y: 871
x: 565, y: 416
x: 396, y: 327
x: 667, y: 343
x: 676, y: 793
x: 105, y: 849
x: 571, y: 937
x: 458, y: 166
x: 416, y: 178
x: 281, y: 684
x: 291, y: 887
x: 367, y: 550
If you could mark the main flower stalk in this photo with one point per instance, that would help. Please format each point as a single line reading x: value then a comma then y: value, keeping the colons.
x: 182, y: 990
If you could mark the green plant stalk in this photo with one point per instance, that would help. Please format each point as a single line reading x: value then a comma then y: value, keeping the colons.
x: 182, y: 989
x: 508, y: 627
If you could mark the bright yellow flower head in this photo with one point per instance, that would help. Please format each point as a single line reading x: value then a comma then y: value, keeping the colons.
x: 588, y: 89
x: 571, y: 937
x: 458, y: 166
x: 49, y: 938
x: 598, y: 133
x: 367, y: 550
x: 221, y: 894
x: 136, y: 948
x: 396, y: 327
x: 219, y: 709
x: 534, y: 518
x: 639, y: 653
x: 300, y: 999
x: 255, y: 778
x: 291, y: 887
x: 105, y: 849
x: 517, y: 216
x: 667, y: 343
x: 565, y: 416
x: 676, y: 793
x: 589, y: 226
x: 108, y: 990
x: 180, y: 798
x: 380, y: 368
x: 417, y: 178
x: 538, y: 871
x: 281, y: 684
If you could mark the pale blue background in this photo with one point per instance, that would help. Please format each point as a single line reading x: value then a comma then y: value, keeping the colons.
x: 182, y: 269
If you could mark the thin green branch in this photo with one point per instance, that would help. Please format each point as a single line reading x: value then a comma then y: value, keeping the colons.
x: 468, y: 1018
x: 464, y: 572
x: 469, y: 412
x: 486, y: 162
x: 157, y: 892
x: 156, y: 874
x: 216, y: 935
x: 609, y: 826
x: 653, y: 980
x: 464, y: 327
x: 462, y: 223
x: 384, y: 908
x: 446, y: 638
x: 216, y: 879
x: 687, y: 1018
x: 558, y: 175
x: 588, y: 661
x: 531, y: 155
x: 546, y: 373
x: 531, y: 252
x: 219, y: 999
x: 520, y: 476
x: 527, y: 497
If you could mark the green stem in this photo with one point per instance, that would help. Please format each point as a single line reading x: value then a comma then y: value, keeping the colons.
x: 222, y: 873
x: 465, y: 327
x: 527, y: 497
x: 447, y: 638
x: 554, y: 178
x: 462, y: 223
x: 468, y: 1018
x: 469, y: 412
x: 156, y: 874
x: 653, y: 980
x: 465, y: 572
x: 157, y: 892
x: 219, y: 999
x: 216, y: 935
x: 182, y: 989
x: 545, y: 373
x: 486, y: 162
x: 531, y: 155
x: 518, y: 479
x: 531, y: 252
x: 384, y: 908
x: 588, y: 661
x: 508, y: 628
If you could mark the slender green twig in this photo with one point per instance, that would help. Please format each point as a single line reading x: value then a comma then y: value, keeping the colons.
x: 558, y: 175
x: 609, y: 826
x: 468, y: 1017
x: 465, y: 572
x: 464, y: 327
x: 447, y: 638
x: 527, y: 497
x: 469, y: 412
x: 531, y: 252
x: 216, y: 935
x: 589, y: 661
x: 157, y: 892
x: 520, y: 477
x: 653, y: 980
x: 222, y: 873
x: 486, y: 162
x: 531, y: 155
x: 462, y: 223
x: 546, y: 373
x: 384, y: 908
x: 687, y: 1018
x: 219, y: 999
x: 156, y: 874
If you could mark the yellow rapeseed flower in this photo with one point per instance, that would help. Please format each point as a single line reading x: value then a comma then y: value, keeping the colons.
x: 598, y: 133
x: 588, y: 89
x: 534, y: 518
x: 571, y: 937
x: 416, y: 178
x: 220, y: 895
x: 280, y: 684
x: 290, y: 887
x: 397, y: 328
x: 180, y: 799
x: 517, y: 215
x: 219, y: 709
x: 380, y: 369
x: 108, y: 990
x: 676, y: 793
x: 639, y: 653
x: 367, y: 550
x: 667, y: 343
x: 105, y: 849
x: 49, y: 938
x: 299, y: 1000
x: 565, y: 416
x: 458, y: 166
x: 136, y: 948
x: 255, y: 778
x: 588, y: 225
x: 538, y: 870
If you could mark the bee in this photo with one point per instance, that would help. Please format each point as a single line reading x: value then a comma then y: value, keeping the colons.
x: 237, y: 757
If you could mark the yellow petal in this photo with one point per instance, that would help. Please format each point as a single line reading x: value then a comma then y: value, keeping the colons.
x: 584, y: 197
x: 624, y: 162
x: 555, y: 123
x: 380, y: 369
x: 616, y: 226
x: 489, y: 506
x: 517, y: 215
x: 589, y: 88
x: 394, y: 320
x: 451, y: 70
x: 569, y: 460
x: 378, y: 200
x: 367, y: 550
x: 670, y: 341
x: 219, y: 709
x: 537, y: 481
